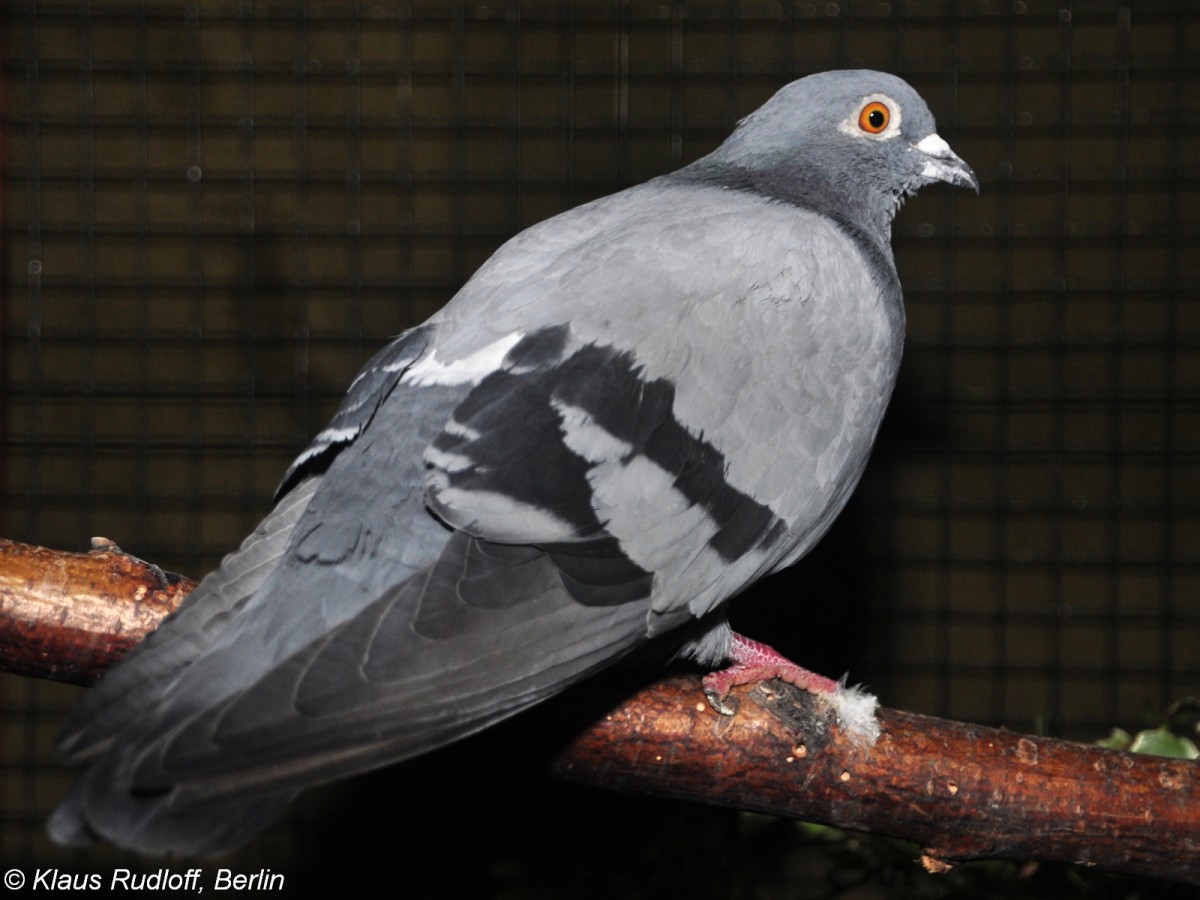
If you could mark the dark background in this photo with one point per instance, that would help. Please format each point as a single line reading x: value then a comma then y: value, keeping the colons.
x: 212, y: 213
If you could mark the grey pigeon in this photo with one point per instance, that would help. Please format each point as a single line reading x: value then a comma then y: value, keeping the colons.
x: 630, y: 413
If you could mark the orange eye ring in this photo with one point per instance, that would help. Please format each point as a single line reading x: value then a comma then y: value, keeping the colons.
x: 874, y: 117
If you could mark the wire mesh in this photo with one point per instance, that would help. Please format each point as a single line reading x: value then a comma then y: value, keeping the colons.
x: 213, y: 212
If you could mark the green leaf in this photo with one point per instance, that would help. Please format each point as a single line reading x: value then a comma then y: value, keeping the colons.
x: 1161, y: 742
x: 1118, y: 739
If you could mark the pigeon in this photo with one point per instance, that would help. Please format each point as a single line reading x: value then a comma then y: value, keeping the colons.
x: 629, y: 414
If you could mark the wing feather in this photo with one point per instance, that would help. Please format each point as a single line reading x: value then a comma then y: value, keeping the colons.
x: 380, y: 632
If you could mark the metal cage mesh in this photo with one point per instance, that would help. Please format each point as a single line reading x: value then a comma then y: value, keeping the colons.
x: 213, y: 212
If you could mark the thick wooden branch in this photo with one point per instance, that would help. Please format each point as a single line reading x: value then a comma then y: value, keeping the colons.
x: 71, y: 616
x: 962, y: 792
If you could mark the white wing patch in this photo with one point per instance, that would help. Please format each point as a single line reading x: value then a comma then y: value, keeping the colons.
x: 458, y: 429
x: 323, y: 441
x: 337, y: 435
x: 446, y: 461
x: 505, y: 518
x: 587, y: 439
x: 653, y: 521
x: 467, y: 370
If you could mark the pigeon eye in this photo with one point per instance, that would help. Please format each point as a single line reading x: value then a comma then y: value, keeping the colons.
x: 874, y: 117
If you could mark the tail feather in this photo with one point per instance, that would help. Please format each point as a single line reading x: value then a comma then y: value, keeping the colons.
x: 98, y: 807
x: 125, y: 693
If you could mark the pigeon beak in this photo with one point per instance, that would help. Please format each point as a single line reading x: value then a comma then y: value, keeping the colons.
x: 941, y: 163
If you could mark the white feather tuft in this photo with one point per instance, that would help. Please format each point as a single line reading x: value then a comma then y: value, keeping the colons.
x: 855, y: 710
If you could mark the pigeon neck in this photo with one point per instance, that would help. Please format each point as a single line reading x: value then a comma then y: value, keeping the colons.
x: 866, y: 216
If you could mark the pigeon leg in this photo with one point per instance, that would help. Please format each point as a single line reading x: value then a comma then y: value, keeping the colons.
x: 751, y: 662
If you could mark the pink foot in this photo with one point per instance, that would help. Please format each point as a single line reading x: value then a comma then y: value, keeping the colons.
x: 751, y: 662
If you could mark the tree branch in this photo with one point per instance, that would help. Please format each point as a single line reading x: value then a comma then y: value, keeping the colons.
x: 72, y: 616
x: 962, y: 792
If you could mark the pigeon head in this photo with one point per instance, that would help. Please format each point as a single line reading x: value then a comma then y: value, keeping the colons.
x: 850, y: 144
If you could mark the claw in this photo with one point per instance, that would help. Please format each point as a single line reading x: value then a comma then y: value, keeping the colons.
x: 717, y: 702
x: 752, y: 662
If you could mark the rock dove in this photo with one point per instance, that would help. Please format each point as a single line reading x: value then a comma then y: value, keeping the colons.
x: 630, y: 413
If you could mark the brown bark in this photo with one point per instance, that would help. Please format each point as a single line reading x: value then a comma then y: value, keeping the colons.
x: 962, y: 792
x: 71, y: 616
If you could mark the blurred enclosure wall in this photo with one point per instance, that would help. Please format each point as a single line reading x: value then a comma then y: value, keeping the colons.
x: 213, y: 212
